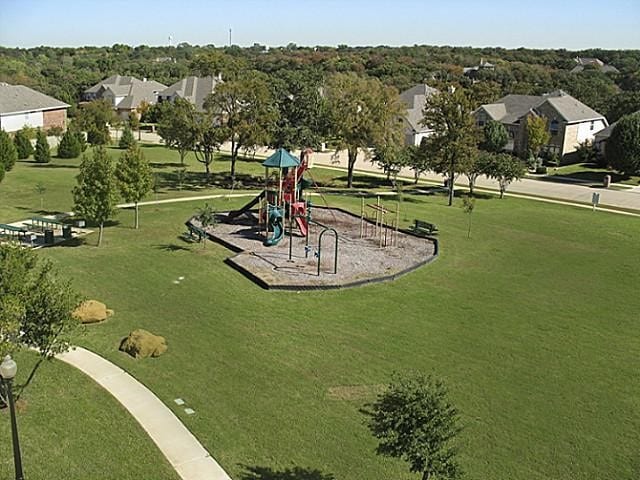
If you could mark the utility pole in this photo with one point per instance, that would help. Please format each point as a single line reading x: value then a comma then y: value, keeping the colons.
x: 230, y: 38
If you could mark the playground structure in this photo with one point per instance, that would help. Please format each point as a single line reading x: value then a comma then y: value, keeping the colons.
x: 372, y: 223
x: 286, y: 206
x: 283, y: 241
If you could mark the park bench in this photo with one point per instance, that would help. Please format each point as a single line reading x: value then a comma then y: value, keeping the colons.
x: 424, y: 228
x: 195, y: 231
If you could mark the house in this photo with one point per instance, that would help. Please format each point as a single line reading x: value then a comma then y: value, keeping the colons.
x: 570, y: 121
x: 126, y: 94
x: 193, y: 89
x: 472, y: 72
x: 592, y: 63
x: 415, y: 99
x: 20, y: 106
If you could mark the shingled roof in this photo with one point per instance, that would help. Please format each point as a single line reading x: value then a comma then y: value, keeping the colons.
x: 18, y: 98
x: 415, y: 98
x: 194, y: 89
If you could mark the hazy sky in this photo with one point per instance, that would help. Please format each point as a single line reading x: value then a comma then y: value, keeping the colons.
x: 570, y: 24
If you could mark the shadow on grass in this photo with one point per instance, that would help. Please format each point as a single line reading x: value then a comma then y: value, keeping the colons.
x: 172, y: 247
x: 73, y: 242
x: 160, y: 165
x: 295, y: 473
x: 195, y: 181
x: 53, y: 165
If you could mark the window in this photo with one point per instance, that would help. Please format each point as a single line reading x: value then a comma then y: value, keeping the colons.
x: 554, y: 127
x: 592, y: 126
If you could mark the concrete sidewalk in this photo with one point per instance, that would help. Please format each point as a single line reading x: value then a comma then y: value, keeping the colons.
x: 185, y: 453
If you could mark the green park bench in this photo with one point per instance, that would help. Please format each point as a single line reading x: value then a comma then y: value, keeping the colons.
x: 195, y: 231
x: 424, y: 228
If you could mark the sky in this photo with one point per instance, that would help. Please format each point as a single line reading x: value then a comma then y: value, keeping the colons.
x: 570, y: 24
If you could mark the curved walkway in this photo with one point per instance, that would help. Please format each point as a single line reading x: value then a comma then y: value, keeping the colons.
x: 185, y: 453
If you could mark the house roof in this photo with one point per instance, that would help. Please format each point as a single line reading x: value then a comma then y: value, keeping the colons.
x: 571, y: 109
x: 18, y: 98
x: 281, y: 159
x: 594, y: 62
x: 141, y: 91
x: 515, y: 106
x: 511, y: 108
x: 415, y: 98
x: 114, y: 81
x: 194, y: 89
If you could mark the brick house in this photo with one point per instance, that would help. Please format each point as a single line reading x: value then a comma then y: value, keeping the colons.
x: 570, y: 121
x: 20, y: 106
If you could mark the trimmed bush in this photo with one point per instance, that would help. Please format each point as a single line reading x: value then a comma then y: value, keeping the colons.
x: 142, y: 344
x: 42, y: 154
x: 8, y: 153
x: 126, y: 140
x: 23, y: 144
x: 69, y: 146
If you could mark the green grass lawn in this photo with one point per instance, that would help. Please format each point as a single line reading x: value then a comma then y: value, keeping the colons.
x: 590, y: 172
x: 532, y: 322
x: 71, y: 428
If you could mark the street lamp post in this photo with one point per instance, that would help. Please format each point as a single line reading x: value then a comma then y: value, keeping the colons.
x: 8, y: 370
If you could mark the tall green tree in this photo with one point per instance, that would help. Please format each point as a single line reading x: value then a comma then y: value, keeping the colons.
x: 69, y: 146
x: 96, y: 190
x: 134, y: 177
x: 362, y: 112
x: 23, y: 144
x: 504, y: 168
x: 414, y: 420
x: 95, y: 118
x: 8, y: 153
x: 207, y: 138
x: 42, y: 153
x: 623, y: 146
x: 176, y: 127
x: 479, y: 166
x: 495, y: 137
x: 245, y: 113
x: 134, y: 123
x: 36, y: 306
x: 302, y: 119
x: 126, y: 139
x: 453, y: 144
x: 537, y: 136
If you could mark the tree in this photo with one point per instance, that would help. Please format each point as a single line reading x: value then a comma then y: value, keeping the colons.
x: 206, y: 139
x: 495, y: 137
x: 478, y: 167
x: 94, y: 118
x: 302, y: 111
x: 134, y: 124
x: 36, y: 306
x: 40, y: 189
x: 23, y: 145
x: 8, y: 153
x: 537, y: 136
x: 453, y: 142
x: 420, y: 161
x: 244, y: 113
x: 126, y: 139
x: 69, y: 146
x: 42, y: 153
x: 134, y: 177
x: 468, y: 205
x: 206, y: 216
x: 95, y: 193
x: 415, y: 421
x: 175, y: 126
x: 362, y: 112
x: 504, y: 168
x: 623, y: 146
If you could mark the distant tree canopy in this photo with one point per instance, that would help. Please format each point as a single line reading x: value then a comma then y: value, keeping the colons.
x: 66, y: 72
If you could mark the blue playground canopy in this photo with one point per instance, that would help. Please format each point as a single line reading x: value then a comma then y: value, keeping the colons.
x: 281, y: 159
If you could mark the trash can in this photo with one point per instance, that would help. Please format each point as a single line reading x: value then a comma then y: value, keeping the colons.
x: 48, y: 237
x: 66, y: 232
x: 606, y: 181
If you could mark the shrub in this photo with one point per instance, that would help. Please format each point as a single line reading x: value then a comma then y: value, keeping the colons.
x: 23, y: 144
x: 541, y: 170
x: 8, y: 153
x: 126, y: 140
x: 42, y: 154
x: 69, y: 146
